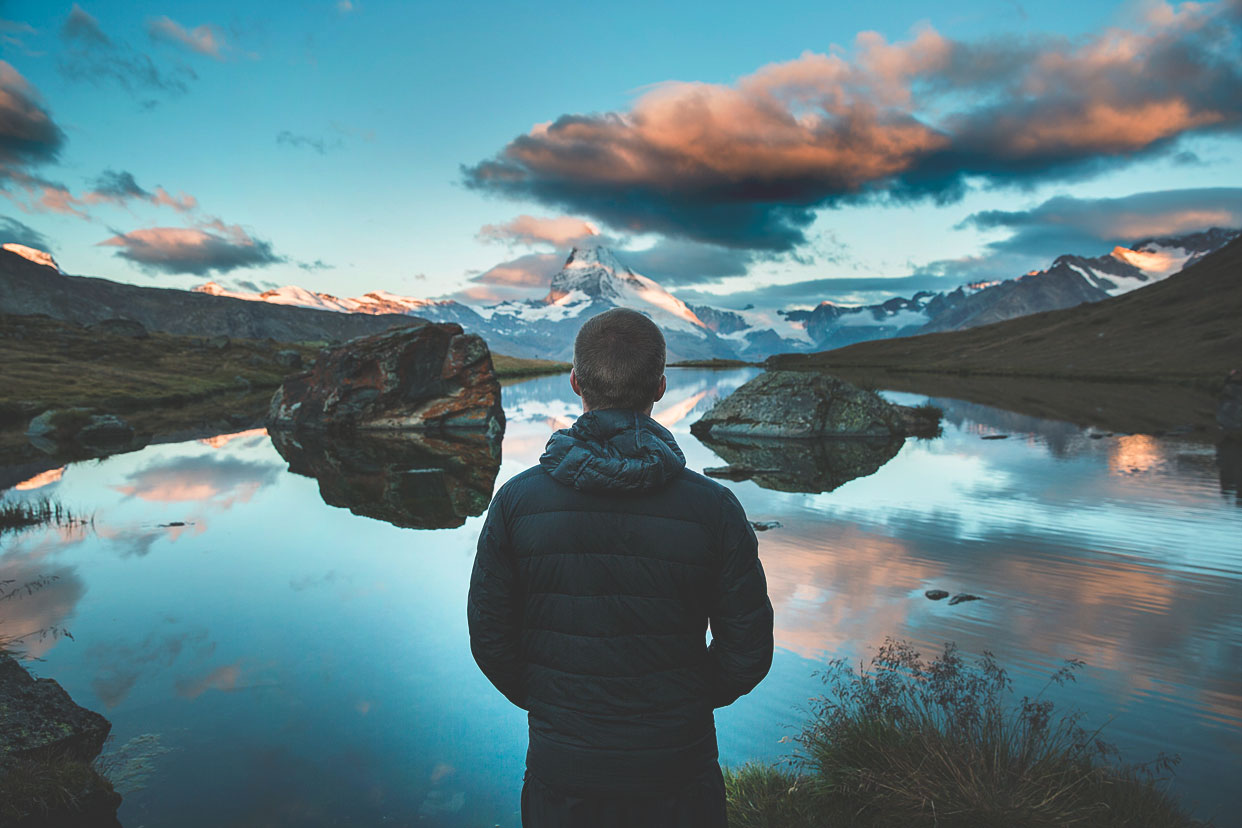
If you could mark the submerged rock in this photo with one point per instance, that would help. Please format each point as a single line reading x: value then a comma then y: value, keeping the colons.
x: 936, y: 594
x: 811, y: 466
x: 415, y: 480
x: 765, y: 525
x: 424, y: 377
x: 811, y: 404
x: 962, y: 597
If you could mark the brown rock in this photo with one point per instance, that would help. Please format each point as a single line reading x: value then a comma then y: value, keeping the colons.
x: 426, y: 377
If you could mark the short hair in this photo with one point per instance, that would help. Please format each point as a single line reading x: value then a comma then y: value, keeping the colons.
x: 619, y: 360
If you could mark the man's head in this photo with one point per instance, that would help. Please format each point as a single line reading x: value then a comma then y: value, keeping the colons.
x: 618, y: 361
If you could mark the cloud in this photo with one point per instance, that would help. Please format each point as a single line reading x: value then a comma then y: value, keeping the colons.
x: 204, y: 40
x: 12, y: 230
x: 677, y: 262
x: 28, y: 135
x: 1066, y: 224
x: 319, y: 145
x: 846, y: 290
x: 193, y: 250
x: 91, y: 56
x: 748, y: 165
x: 121, y: 187
x: 564, y: 231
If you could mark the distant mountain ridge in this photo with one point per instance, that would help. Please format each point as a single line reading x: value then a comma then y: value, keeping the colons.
x: 592, y: 280
x: 1181, y: 327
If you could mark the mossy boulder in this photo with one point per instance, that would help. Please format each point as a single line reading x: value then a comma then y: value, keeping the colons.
x: 810, y: 404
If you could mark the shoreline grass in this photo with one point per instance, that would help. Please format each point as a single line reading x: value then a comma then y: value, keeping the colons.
x: 908, y: 741
x: 508, y: 367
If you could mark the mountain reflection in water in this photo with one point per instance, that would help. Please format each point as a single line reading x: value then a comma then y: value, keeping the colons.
x: 410, y: 479
x: 302, y: 667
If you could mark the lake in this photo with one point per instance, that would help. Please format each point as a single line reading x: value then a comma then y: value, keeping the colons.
x: 269, y: 657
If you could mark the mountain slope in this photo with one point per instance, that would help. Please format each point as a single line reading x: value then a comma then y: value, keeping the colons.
x: 1183, y: 327
x: 30, y: 288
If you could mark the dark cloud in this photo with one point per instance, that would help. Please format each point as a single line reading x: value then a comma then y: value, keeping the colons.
x: 1066, y: 224
x: 91, y: 56
x: 676, y: 262
x: 319, y: 145
x: 28, y: 135
x: 12, y: 230
x: 121, y: 187
x: 193, y: 250
x: 318, y: 264
x: 749, y: 165
x: 852, y: 290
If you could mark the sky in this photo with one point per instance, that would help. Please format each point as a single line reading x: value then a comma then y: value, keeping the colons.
x: 780, y: 154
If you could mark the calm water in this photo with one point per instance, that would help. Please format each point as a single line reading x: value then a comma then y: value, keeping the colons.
x: 276, y: 660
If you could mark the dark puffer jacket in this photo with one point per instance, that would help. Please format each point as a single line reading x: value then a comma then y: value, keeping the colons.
x: 597, y: 574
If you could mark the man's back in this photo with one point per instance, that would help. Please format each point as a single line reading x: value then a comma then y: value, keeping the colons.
x: 597, y: 574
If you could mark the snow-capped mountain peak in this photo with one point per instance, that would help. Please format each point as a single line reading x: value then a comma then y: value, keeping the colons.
x: 596, y: 274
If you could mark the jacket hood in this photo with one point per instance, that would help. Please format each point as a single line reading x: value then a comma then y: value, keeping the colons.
x: 613, y: 449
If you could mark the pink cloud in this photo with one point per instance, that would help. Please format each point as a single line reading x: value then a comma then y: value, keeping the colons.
x: 205, y: 39
x: 559, y: 232
x: 747, y: 165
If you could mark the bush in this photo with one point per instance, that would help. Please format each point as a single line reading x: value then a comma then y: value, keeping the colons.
x: 911, y: 742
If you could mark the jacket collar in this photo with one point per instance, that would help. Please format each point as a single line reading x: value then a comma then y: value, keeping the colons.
x: 613, y: 449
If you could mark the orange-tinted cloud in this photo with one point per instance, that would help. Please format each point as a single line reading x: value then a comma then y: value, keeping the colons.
x: 193, y: 250
x: 747, y: 165
x: 558, y: 232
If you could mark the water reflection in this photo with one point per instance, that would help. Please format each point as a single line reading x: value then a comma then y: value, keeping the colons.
x: 810, y: 466
x: 412, y: 480
x: 302, y: 667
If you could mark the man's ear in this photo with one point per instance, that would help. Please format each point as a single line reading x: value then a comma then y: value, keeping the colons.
x: 660, y: 391
x: 573, y: 383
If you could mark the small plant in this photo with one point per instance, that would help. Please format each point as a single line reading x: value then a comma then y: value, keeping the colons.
x: 22, y: 514
x: 907, y: 741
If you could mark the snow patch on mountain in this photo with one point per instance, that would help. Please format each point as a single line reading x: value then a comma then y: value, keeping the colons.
x: 35, y: 255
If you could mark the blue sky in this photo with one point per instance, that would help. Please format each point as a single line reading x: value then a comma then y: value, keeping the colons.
x: 353, y: 146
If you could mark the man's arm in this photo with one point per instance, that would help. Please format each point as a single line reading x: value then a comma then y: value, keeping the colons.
x: 492, y: 609
x: 741, y: 614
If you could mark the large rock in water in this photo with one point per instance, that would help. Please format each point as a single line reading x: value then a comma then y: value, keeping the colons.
x: 810, y: 404
x: 427, y: 377
x: 811, y: 465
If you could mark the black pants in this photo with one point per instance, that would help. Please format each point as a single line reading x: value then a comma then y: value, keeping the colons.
x: 700, y: 804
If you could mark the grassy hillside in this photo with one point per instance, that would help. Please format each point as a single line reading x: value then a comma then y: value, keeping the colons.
x: 49, y: 363
x: 508, y: 367
x: 1185, y: 328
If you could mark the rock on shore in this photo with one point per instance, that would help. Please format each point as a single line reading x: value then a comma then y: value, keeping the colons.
x: 810, y: 404
x: 47, y: 744
x: 427, y: 377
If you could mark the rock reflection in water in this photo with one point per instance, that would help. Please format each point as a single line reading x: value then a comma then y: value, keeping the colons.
x: 806, y: 465
x: 411, y: 479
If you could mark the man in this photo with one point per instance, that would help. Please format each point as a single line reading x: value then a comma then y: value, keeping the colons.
x: 597, y: 574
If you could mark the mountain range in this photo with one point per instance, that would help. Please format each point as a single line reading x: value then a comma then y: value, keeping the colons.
x: 592, y: 280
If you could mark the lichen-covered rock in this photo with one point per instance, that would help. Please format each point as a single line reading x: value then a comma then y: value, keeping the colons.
x: 37, y: 717
x: 47, y: 746
x: 808, y: 404
x: 424, y: 377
